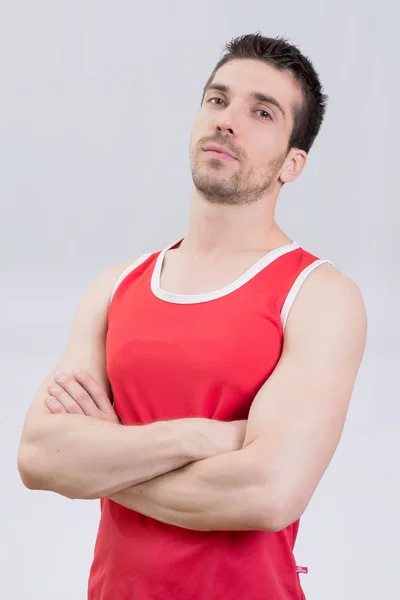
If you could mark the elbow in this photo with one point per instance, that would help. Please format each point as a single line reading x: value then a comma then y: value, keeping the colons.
x: 31, y: 459
x: 38, y: 473
x: 274, y: 523
x: 30, y: 466
x: 276, y: 515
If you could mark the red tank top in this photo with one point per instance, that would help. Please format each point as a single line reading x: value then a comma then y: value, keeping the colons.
x: 171, y: 356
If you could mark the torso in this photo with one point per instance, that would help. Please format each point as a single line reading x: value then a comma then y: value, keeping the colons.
x: 177, y: 356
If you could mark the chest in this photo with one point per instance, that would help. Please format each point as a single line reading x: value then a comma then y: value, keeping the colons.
x: 182, y: 275
x: 208, y: 359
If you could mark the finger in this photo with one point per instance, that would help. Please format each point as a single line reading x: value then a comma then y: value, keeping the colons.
x: 55, y: 406
x: 62, y: 396
x: 95, y: 391
x: 78, y: 393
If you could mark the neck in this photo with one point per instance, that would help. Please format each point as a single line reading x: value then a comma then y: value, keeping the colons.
x: 220, y: 230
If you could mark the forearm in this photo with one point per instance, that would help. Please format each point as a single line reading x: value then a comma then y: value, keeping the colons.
x: 224, y: 492
x: 83, y: 457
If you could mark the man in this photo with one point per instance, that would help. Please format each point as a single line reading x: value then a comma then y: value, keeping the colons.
x: 214, y: 376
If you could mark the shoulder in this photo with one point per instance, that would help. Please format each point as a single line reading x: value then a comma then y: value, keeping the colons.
x: 329, y: 306
x: 328, y: 284
x: 98, y: 294
x: 107, y: 278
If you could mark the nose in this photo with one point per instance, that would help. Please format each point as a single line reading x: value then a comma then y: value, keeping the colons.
x: 226, y: 123
x: 224, y: 127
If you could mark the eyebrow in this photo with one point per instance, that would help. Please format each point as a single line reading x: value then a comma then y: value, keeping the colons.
x: 258, y: 96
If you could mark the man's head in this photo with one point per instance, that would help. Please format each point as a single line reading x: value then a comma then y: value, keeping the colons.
x: 263, y: 102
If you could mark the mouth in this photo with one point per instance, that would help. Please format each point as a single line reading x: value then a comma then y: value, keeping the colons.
x: 219, y: 153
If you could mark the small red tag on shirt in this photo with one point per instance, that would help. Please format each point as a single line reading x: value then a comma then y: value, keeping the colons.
x: 302, y: 569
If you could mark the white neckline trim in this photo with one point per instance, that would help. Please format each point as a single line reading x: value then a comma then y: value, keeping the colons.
x: 128, y: 270
x: 207, y: 296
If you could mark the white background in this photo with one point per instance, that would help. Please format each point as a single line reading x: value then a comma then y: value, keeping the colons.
x: 97, y: 101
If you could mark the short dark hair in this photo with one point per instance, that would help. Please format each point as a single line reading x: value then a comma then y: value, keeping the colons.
x: 282, y: 55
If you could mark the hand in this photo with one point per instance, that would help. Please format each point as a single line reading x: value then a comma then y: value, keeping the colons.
x: 79, y: 393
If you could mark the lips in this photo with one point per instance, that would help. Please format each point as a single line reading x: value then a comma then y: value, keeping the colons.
x: 219, y: 149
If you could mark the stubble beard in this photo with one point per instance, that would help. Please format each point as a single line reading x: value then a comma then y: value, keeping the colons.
x: 233, y: 189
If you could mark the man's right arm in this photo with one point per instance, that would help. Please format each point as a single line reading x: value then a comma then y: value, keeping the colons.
x: 79, y: 456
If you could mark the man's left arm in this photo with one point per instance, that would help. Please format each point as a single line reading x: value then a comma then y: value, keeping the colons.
x: 294, y: 425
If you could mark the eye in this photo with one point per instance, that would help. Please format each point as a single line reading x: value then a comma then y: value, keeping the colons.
x: 265, y: 118
x: 266, y: 113
x: 215, y: 98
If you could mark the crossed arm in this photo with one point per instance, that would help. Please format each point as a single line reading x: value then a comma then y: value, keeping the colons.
x: 294, y: 425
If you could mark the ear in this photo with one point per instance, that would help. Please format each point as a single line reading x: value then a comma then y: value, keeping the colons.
x: 293, y: 165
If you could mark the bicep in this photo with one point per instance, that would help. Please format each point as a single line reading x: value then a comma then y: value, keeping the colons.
x: 297, y: 417
x: 86, y: 347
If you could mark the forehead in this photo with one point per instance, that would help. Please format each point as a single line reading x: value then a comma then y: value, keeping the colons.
x: 245, y: 76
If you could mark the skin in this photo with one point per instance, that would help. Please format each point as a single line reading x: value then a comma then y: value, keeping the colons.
x: 293, y: 428
x: 298, y: 415
x: 255, y: 132
x: 238, y: 198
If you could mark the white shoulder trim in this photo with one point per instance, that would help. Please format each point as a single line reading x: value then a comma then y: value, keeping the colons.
x: 296, y: 287
x: 128, y: 270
